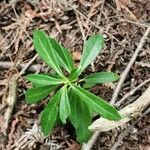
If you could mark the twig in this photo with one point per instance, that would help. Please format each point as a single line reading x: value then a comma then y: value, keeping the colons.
x: 127, y: 69
x: 81, y: 27
x: 28, y: 64
x: 127, y: 130
x: 89, y: 145
x: 131, y: 92
x: 12, y: 95
x: 137, y: 23
x: 10, y: 101
x: 143, y: 64
x: 120, y: 138
x: 33, y: 68
x: 6, y: 38
x: 118, y: 5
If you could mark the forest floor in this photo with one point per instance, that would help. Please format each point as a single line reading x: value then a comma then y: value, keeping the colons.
x: 71, y: 22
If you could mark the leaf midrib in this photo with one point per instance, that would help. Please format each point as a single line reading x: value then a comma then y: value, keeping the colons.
x: 92, y: 102
x: 48, y: 56
x: 91, y: 51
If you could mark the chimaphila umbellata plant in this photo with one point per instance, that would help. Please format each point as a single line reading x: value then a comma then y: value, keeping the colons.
x: 71, y: 100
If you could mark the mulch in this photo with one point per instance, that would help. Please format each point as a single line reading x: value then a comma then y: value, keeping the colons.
x: 71, y: 22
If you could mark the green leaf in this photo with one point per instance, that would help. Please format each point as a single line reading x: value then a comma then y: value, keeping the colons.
x: 87, y: 85
x: 42, y: 79
x: 97, y: 104
x: 80, y: 117
x: 45, y: 50
x: 36, y: 94
x: 92, y: 48
x: 101, y: 77
x: 65, y: 110
x: 49, y: 115
x: 64, y: 57
x: 76, y: 108
x: 36, y: 85
x: 82, y: 132
x: 74, y: 74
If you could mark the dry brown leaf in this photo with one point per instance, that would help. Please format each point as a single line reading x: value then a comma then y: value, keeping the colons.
x: 76, y: 55
x: 73, y: 145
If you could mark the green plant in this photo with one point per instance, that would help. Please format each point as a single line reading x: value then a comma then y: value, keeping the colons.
x: 70, y: 101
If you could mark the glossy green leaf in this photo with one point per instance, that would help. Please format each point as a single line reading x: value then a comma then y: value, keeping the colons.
x: 74, y: 74
x: 36, y: 94
x: 45, y: 50
x: 65, y: 110
x: 97, y: 104
x: 36, y: 85
x: 101, y: 77
x: 64, y: 57
x: 83, y: 133
x: 80, y: 117
x: 92, y: 48
x: 76, y: 108
x: 87, y: 85
x: 42, y: 79
x: 49, y: 115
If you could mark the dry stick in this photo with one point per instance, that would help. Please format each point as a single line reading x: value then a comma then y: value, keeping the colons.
x: 126, y: 71
x: 88, y: 146
x: 118, y: 5
x: 118, y: 103
x: 12, y: 94
x: 6, y: 38
x: 33, y: 68
x: 143, y: 64
x: 28, y: 64
x: 10, y: 101
x: 137, y: 23
x: 129, y: 112
x: 93, y: 139
x: 81, y: 27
